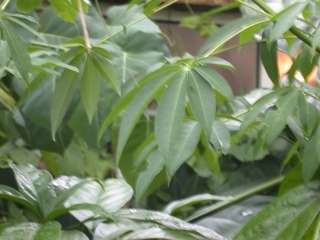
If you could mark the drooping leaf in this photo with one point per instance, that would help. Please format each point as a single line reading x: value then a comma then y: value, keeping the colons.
x: 269, y: 60
x: 138, y: 105
x: 126, y: 100
x: 284, y: 20
x: 170, y: 223
x: 155, y: 164
x: 228, y: 31
x: 202, y: 100
x: 90, y: 87
x: 311, y: 156
x: 216, y: 81
x: 18, y: 49
x: 288, y: 217
x: 184, y: 147
x: 65, y: 88
x: 169, y: 115
x: 220, y: 136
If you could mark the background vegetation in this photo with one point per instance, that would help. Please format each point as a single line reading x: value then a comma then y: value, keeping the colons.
x: 98, y: 121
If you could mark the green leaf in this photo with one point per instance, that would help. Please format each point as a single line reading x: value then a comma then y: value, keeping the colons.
x: 287, y: 218
x: 155, y: 164
x: 123, y: 103
x: 285, y: 19
x: 202, y: 100
x: 166, y: 221
x: 49, y: 231
x: 183, y: 147
x: 28, y: 6
x: 90, y: 87
x: 18, y: 49
x: 311, y: 156
x: 220, y: 136
x: 216, y: 81
x: 106, y: 70
x: 276, y: 120
x: 269, y: 61
x: 169, y: 115
x: 260, y: 106
x: 64, y: 91
x: 73, y: 235
x: 228, y: 31
x: 67, y: 10
x: 138, y: 106
x: 11, y: 194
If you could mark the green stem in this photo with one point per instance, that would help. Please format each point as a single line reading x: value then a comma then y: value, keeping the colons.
x: 4, y: 4
x: 84, y: 26
x: 220, y: 205
x: 294, y: 30
x: 143, y: 17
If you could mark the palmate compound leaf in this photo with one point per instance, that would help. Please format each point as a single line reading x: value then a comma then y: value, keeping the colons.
x: 288, y: 217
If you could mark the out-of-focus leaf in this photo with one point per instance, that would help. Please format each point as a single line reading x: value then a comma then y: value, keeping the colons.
x: 311, y: 156
x: 288, y: 217
x: 18, y: 49
x: 220, y: 136
x: 269, y: 60
x: 224, y: 34
x: 65, y: 88
x: 284, y: 19
x: 28, y: 6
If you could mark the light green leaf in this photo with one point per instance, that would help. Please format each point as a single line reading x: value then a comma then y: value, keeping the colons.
x: 169, y: 115
x: 128, y: 98
x: 28, y: 6
x: 202, y: 100
x: 90, y: 87
x: 67, y: 10
x: 106, y: 70
x: 64, y: 91
x: 220, y: 136
x: 18, y: 49
x: 276, y: 120
x: 311, y: 156
x: 228, y: 31
x: 138, y: 106
x: 183, y: 147
x: 285, y: 19
x: 155, y: 164
x: 49, y: 231
x: 216, y: 81
x: 287, y: 218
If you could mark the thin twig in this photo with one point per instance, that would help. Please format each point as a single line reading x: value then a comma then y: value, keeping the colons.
x: 84, y: 26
